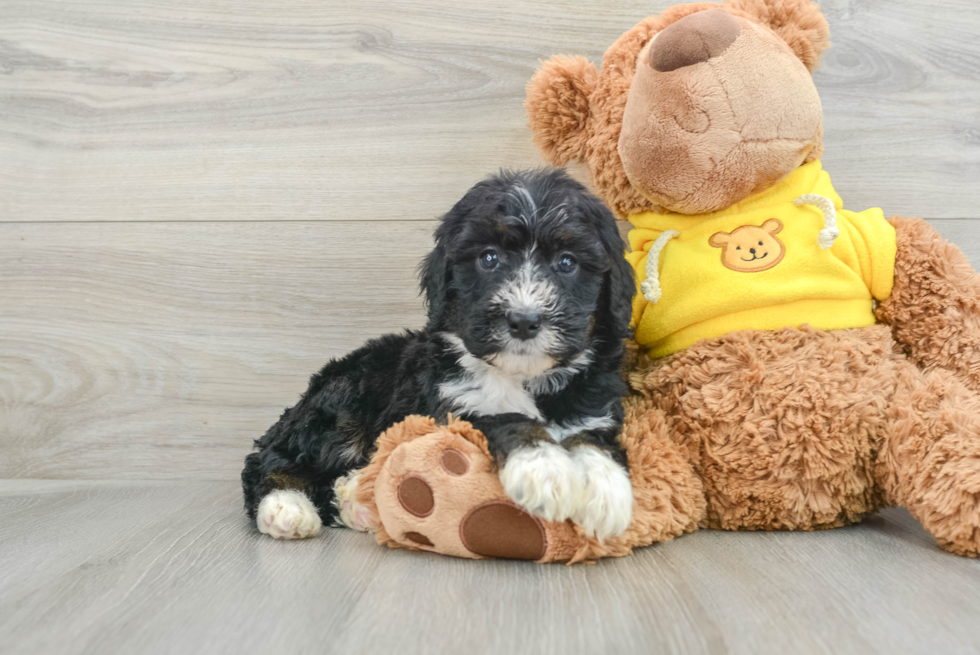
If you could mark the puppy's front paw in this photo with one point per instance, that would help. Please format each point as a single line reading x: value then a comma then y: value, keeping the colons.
x: 607, y: 507
x: 287, y: 514
x: 544, y: 480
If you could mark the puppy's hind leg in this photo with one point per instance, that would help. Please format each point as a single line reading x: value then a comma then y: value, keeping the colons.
x: 277, y: 501
x: 350, y: 513
x: 318, y: 441
x: 288, y: 514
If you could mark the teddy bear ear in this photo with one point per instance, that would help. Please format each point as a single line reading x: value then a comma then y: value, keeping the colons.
x: 557, y: 106
x: 797, y: 22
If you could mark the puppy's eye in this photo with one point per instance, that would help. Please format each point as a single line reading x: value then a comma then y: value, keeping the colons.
x: 489, y: 260
x: 566, y: 264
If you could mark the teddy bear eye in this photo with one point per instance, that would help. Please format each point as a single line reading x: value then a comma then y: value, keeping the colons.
x: 760, y: 243
x: 738, y: 247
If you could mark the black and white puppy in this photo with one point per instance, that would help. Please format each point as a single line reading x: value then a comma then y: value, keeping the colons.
x: 529, y: 300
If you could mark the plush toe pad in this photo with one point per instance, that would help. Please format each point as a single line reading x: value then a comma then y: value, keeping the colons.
x: 454, y: 462
x: 499, y: 528
x: 415, y: 495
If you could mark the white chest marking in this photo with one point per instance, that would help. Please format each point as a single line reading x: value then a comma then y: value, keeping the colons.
x: 484, y: 390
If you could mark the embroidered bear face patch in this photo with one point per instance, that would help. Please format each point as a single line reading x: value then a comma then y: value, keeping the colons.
x: 751, y: 248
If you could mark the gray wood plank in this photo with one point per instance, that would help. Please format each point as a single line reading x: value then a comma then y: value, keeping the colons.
x: 111, y: 567
x: 228, y: 110
x: 147, y: 350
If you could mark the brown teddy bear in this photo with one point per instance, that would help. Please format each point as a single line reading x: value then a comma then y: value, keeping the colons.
x: 797, y: 365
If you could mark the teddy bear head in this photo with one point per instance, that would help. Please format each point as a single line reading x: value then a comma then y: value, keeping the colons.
x: 693, y: 110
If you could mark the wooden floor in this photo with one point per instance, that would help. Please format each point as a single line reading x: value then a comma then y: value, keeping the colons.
x: 172, y: 567
x: 203, y: 200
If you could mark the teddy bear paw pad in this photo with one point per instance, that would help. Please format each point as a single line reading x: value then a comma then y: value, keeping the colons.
x: 415, y: 495
x: 499, y: 528
x: 418, y: 538
x: 454, y: 462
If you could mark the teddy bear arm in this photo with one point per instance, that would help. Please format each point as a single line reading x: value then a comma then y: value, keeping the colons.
x: 934, y: 307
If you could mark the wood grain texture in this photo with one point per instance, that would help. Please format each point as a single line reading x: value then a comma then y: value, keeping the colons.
x: 317, y: 110
x: 147, y: 350
x: 174, y: 568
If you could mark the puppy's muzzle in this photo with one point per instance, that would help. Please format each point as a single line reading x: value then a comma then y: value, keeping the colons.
x: 523, y: 325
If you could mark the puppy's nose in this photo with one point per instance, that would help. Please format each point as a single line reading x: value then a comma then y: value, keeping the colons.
x: 693, y: 39
x: 523, y: 325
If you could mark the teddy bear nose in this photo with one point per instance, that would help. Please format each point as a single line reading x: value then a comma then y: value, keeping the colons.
x: 693, y: 39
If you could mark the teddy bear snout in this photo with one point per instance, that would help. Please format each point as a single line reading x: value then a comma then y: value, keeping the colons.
x: 693, y: 39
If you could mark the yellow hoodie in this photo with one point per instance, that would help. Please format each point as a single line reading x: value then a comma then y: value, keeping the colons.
x: 781, y: 258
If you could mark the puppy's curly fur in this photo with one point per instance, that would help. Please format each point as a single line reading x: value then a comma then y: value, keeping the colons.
x: 528, y: 305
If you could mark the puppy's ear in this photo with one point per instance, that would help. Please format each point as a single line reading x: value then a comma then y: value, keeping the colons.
x: 619, y: 286
x: 434, y: 282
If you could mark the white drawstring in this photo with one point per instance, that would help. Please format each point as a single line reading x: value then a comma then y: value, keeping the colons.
x: 651, y: 286
x: 829, y: 233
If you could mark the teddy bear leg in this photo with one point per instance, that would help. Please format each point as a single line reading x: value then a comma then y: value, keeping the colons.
x: 929, y: 461
x: 934, y: 307
x: 669, y: 497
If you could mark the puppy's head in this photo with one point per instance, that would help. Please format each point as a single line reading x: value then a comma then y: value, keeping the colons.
x: 528, y: 271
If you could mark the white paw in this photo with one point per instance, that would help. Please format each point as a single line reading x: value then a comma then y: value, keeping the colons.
x: 544, y: 480
x: 350, y: 513
x: 607, y: 507
x: 287, y: 514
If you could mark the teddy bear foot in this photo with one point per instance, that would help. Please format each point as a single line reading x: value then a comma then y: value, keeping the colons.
x: 957, y: 531
x: 953, y: 516
x: 442, y: 495
x: 438, y: 491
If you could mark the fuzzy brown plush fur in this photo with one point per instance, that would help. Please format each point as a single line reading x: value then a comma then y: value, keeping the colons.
x: 792, y: 429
